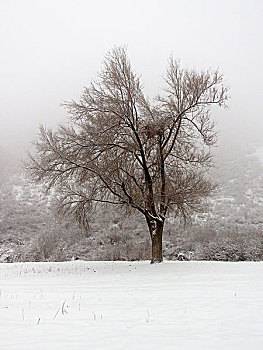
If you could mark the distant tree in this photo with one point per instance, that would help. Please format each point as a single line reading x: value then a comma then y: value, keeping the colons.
x: 120, y: 149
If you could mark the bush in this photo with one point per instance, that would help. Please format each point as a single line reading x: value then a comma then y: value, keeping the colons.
x: 221, y: 242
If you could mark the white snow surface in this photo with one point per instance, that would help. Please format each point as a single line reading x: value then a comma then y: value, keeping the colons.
x: 121, y: 305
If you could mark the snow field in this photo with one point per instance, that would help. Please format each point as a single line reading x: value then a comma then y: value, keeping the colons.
x: 122, y: 305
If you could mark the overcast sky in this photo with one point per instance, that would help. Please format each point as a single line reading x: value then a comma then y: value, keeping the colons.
x: 51, y: 49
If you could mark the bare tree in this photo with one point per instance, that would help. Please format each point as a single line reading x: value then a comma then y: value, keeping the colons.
x: 122, y: 150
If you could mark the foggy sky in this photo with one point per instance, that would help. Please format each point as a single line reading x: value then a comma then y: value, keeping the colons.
x: 51, y: 49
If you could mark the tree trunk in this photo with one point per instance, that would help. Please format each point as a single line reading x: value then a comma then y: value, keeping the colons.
x: 157, y: 243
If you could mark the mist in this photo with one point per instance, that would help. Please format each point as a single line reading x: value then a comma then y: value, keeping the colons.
x: 52, y: 49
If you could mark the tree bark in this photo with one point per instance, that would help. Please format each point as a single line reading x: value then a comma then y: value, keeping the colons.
x: 157, y: 243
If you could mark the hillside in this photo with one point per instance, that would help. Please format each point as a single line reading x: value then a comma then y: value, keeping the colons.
x: 230, y: 229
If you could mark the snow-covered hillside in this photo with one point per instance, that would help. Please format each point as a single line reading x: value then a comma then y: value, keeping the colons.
x: 121, y: 305
x: 230, y: 230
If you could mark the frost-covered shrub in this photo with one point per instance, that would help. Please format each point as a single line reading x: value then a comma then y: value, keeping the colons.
x: 220, y: 241
x: 220, y: 252
x: 235, y: 248
x: 40, y: 248
x: 132, y: 251
x: 49, y: 245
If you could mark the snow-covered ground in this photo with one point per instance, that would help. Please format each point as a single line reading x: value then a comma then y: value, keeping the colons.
x: 120, y: 305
